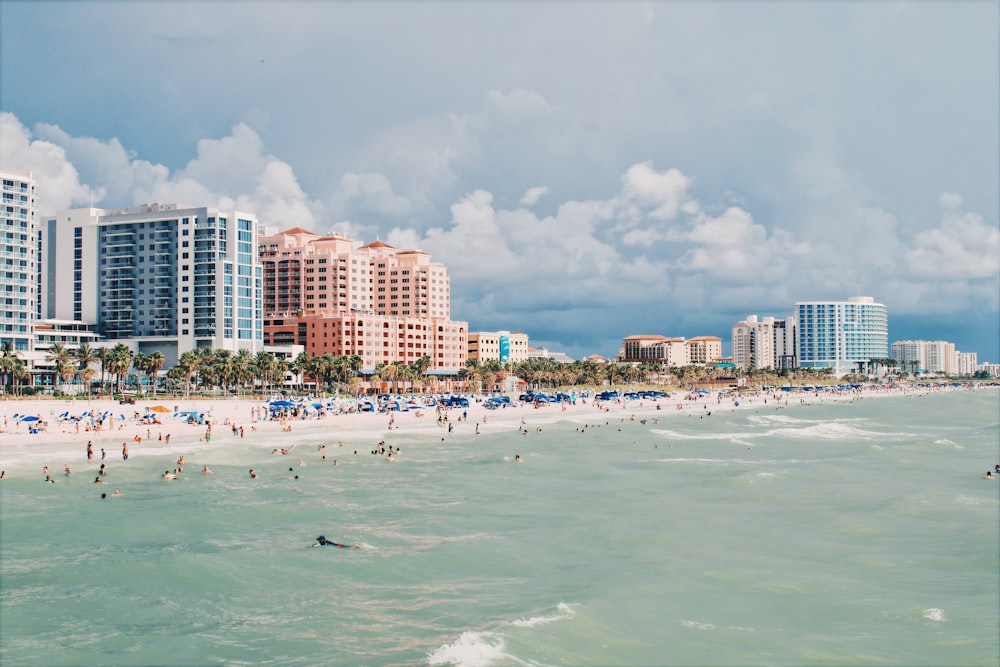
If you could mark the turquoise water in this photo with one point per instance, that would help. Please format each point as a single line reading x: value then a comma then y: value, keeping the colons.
x: 855, y: 533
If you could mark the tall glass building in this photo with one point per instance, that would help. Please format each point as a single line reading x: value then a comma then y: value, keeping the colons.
x: 164, y: 278
x: 18, y: 259
x: 841, y: 334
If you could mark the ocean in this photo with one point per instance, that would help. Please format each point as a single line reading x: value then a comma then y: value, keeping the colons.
x: 843, y: 533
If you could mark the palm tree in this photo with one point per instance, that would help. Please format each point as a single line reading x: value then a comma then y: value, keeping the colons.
x: 11, y: 365
x: 85, y: 356
x: 302, y: 364
x: 419, y: 367
x: 188, y: 364
x: 8, y: 359
x: 119, y: 361
x: 242, y: 367
x: 266, y: 368
x: 473, y: 367
x: 153, y: 365
x: 60, y: 356
x: 141, y: 363
x: 103, y: 355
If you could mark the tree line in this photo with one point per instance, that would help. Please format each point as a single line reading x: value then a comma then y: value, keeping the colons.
x: 243, y: 372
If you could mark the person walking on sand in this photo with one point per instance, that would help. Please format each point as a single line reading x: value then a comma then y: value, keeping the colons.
x: 90, y: 451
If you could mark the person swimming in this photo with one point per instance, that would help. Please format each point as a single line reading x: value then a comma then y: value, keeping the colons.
x: 323, y: 542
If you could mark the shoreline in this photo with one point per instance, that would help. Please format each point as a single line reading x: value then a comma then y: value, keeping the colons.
x: 23, y: 453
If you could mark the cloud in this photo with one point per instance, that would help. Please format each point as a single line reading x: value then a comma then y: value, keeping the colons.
x: 59, y: 185
x: 232, y: 171
x: 663, y: 192
x: 647, y: 247
x: 950, y: 200
x: 518, y: 103
x: 231, y: 164
x: 963, y: 247
x: 369, y: 192
x: 532, y: 195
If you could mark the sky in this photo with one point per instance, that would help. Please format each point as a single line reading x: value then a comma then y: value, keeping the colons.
x: 585, y: 170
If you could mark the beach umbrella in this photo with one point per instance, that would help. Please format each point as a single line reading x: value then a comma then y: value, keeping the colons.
x: 122, y: 417
x: 29, y: 418
x: 64, y: 415
x: 160, y: 408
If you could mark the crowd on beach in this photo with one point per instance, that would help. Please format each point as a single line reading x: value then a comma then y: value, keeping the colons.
x: 243, y: 417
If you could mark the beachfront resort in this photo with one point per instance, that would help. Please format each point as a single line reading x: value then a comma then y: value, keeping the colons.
x: 148, y: 295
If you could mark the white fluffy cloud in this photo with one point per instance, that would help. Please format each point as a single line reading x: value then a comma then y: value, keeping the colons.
x: 233, y: 171
x: 58, y: 180
x: 369, y: 191
x: 962, y: 247
x: 649, y: 248
x: 532, y: 195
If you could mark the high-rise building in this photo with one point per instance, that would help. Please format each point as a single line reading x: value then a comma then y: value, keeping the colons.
x: 156, y: 277
x: 841, y: 335
x: 764, y: 343
x: 334, y: 296
x: 931, y: 356
x: 18, y: 259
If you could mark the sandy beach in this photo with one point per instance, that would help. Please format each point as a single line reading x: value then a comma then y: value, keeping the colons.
x: 60, y: 442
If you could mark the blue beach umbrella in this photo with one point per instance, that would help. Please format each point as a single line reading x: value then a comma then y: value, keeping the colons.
x: 29, y: 418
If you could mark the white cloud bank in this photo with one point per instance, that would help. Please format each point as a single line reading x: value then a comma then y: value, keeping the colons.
x: 231, y: 172
x: 651, y: 247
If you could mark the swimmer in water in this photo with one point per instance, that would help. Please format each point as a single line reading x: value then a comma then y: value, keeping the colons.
x: 206, y: 470
x: 321, y: 541
x: 117, y: 492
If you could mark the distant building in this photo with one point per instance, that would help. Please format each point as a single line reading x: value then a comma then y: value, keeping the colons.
x: 841, y: 335
x: 19, y: 278
x: 937, y: 356
x: 764, y: 343
x: 703, y: 350
x: 991, y: 370
x: 156, y: 277
x: 334, y: 296
x: 502, y: 346
x: 967, y: 363
x: 545, y: 353
x: 700, y: 350
x: 654, y: 348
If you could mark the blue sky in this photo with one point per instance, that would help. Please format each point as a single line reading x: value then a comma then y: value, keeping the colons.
x: 586, y: 171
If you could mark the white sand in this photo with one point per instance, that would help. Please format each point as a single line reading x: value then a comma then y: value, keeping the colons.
x: 22, y: 451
